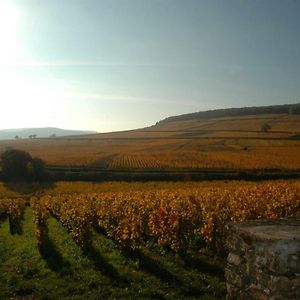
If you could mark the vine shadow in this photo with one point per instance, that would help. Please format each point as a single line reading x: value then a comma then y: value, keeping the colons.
x: 102, y: 265
x: 152, y: 267
x: 16, y: 223
x: 53, y: 257
x: 203, y: 266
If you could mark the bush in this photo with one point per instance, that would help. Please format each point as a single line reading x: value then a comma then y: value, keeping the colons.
x: 294, y: 109
x: 18, y: 165
x: 265, y: 127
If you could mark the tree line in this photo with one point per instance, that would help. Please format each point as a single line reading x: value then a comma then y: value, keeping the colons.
x: 232, y: 112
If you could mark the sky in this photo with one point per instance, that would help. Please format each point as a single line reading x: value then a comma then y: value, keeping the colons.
x: 123, y: 64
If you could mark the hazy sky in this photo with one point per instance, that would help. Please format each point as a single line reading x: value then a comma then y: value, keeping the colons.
x: 120, y: 64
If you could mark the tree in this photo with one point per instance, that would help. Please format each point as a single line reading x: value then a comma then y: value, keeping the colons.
x: 265, y: 127
x: 36, y: 169
x: 294, y: 109
x: 17, y: 137
x: 18, y: 165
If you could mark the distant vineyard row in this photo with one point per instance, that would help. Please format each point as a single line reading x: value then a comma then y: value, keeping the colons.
x: 216, y: 160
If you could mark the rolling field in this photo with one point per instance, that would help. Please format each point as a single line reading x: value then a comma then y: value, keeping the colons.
x: 220, y: 143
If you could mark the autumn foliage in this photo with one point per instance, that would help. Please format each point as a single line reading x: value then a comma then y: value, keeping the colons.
x: 178, y: 219
x: 174, y: 219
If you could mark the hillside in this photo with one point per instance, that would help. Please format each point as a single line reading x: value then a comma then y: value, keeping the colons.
x: 24, y: 133
x: 229, y: 142
x: 233, y: 112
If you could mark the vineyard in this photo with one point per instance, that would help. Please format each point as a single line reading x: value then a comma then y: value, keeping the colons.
x: 174, y: 219
x: 170, y: 222
x: 221, y: 143
x: 237, y: 159
x: 134, y: 161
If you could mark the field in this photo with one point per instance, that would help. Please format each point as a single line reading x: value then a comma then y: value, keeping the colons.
x: 127, y: 240
x: 220, y: 143
x: 151, y: 240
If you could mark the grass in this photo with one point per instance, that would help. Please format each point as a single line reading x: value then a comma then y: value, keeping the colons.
x: 62, y: 271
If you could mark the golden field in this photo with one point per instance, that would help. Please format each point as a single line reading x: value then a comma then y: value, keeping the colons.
x: 228, y: 142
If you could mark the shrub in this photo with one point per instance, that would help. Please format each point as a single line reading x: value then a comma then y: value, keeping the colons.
x: 265, y: 127
x: 18, y: 165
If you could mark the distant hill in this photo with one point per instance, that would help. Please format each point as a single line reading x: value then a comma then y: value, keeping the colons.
x: 233, y: 112
x: 23, y: 133
x: 193, y: 141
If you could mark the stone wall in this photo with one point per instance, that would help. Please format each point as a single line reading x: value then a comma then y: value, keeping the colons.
x: 264, y: 260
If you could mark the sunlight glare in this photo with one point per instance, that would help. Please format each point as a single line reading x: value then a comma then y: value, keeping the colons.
x: 9, y: 16
x: 29, y: 102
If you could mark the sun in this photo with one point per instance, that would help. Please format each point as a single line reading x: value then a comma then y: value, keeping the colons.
x: 9, y: 16
x: 29, y: 102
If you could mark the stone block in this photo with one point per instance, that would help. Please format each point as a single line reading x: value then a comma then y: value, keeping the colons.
x: 264, y: 260
x: 255, y: 292
x: 280, y: 284
x: 234, y: 259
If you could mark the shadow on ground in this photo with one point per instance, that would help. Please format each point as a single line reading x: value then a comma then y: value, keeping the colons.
x: 154, y: 268
x: 102, y: 265
x: 16, y: 223
x: 202, y: 265
x: 53, y: 258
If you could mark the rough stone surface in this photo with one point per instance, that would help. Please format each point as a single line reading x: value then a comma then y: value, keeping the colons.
x: 264, y: 260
